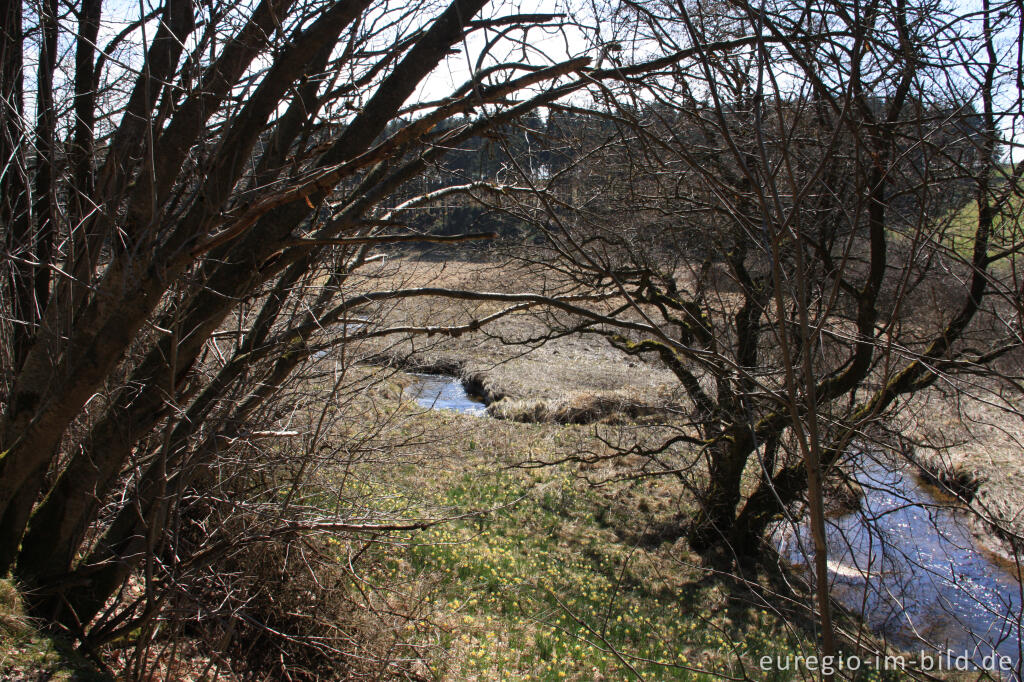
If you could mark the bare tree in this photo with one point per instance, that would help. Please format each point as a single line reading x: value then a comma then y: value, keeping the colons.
x: 194, y: 203
x: 191, y: 208
x: 788, y: 227
x: 765, y: 198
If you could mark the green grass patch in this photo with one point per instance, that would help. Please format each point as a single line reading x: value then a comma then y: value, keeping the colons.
x: 27, y: 654
x: 540, y: 576
x: 963, y: 225
x: 540, y: 588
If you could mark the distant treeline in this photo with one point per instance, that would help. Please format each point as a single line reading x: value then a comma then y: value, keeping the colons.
x: 552, y: 145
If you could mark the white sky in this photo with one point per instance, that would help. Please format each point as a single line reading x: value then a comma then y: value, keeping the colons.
x: 540, y: 45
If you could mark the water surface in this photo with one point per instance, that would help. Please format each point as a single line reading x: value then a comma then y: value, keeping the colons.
x: 909, y: 564
x: 442, y: 392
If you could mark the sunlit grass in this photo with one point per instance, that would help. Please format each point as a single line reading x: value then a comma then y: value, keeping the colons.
x: 963, y: 225
x: 26, y: 653
x: 539, y: 588
x: 533, y: 599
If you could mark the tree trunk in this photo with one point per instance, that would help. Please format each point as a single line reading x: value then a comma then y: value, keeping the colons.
x: 712, y: 527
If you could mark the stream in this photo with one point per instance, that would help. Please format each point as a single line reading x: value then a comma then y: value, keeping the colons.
x: 905, y: 561
x: 442, y: 392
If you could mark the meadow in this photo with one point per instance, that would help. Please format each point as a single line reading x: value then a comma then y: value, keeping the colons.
x: 547, y: 581
x: 543, y: 560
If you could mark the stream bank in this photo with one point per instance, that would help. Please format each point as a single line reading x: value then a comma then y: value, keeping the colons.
x: 908, y: 564
x: 904, y: 559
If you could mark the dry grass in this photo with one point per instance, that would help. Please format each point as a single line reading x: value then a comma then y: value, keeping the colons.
x: 554, y: 371
x: 975, y: 440
x: 576, y: 407
x: 13, y: 621
x: 580, y: 379
x: 567, y: 379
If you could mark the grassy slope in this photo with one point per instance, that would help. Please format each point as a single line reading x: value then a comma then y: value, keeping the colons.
x: 548, y: 586
x: 552, y: 586
x: 964, y: 223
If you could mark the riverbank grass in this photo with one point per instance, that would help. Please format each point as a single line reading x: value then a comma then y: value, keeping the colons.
x: 544, y: 585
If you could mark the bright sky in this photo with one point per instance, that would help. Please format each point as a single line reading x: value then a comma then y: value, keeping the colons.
x: 540, y: 45
x: 577, y: 35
